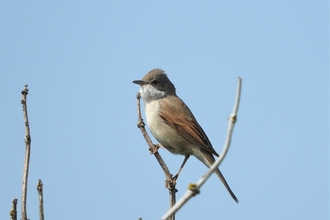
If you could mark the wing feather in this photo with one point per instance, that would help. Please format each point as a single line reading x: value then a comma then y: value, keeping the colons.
x: 184, y: 122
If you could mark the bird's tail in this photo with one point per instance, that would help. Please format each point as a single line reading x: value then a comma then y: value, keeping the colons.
x: 223, y: 180
x: 209, y: 161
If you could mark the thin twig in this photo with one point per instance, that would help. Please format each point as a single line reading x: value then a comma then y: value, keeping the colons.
x: 41, y: 199
x: 194, y: 189
x: 27, y: 140
x: 170, y: 184
x: 13, y: 211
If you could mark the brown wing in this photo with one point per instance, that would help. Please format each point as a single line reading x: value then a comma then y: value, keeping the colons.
x: 177, y: 115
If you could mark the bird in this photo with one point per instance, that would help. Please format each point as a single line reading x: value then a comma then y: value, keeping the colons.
x: 173, y: 124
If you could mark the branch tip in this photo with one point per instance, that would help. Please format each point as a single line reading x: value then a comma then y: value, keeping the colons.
x: 25, y: 90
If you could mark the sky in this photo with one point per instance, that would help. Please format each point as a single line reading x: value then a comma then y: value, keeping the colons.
x: 79, y: 59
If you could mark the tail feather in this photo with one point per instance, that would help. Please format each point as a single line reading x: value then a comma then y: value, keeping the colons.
x: 208, y: 162
x: 223, y: 180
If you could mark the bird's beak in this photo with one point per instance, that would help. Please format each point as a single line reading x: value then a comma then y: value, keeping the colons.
x: 139, y: 82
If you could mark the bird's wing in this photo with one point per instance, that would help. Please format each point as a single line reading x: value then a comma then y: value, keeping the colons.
x: 177, y: 115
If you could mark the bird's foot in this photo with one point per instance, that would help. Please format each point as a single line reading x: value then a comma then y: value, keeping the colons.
x: 154, y: 149
x: 170, y: 183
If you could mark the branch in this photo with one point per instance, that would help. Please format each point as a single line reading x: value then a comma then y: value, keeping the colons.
x: 27, y: 140
x: 41, y: 200
x: 170, y: 184
x: 194, y: 189
x: 13, y: 211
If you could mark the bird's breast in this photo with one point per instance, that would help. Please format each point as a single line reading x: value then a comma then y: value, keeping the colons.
x: 154, y: 121
x: 165, y: 134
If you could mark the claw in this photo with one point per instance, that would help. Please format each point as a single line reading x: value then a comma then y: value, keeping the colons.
x: 154, y: 149
x: 170, y: 183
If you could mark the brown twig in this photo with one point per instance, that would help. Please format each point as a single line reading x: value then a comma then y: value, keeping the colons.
x: 170, y: 183
x: 13, y: 211
x: 41, y: 199
x: 27, y: 140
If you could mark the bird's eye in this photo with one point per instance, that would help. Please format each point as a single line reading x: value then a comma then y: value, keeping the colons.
x: 154, y: 82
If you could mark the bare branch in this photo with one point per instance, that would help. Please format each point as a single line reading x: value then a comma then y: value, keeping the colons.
x: 194, y: 189
x: 41, y: 200
x: 27, y: 140
x: 13, y: 211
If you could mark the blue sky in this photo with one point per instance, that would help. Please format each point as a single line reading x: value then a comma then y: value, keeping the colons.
x: 79, y: 60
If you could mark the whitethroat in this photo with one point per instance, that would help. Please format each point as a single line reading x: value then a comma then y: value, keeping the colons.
x: 172, y: 123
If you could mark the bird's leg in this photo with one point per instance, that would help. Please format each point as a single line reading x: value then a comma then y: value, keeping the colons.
x: 174, y: 178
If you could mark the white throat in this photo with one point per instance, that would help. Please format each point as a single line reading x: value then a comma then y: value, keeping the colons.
x: 150, y: 93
